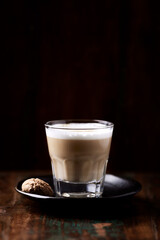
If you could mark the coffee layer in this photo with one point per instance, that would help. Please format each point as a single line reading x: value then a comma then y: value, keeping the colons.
x: 79, y: 160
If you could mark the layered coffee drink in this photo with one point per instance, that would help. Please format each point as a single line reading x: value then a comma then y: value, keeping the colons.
x: 79, y: 151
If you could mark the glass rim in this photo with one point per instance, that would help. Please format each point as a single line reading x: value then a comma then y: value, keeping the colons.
x: 107, y: 124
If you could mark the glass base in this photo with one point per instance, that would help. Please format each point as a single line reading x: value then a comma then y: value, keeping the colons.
x: 91, y: 189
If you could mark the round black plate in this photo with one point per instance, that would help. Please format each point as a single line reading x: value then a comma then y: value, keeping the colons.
x: 114, y: 188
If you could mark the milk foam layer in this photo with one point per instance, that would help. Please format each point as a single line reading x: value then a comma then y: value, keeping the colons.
x: 79, y: 131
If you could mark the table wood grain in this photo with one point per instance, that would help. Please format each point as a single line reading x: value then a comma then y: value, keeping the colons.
x: 136, y: 218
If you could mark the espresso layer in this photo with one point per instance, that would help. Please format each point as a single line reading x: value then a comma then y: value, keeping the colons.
x: 78, y: 160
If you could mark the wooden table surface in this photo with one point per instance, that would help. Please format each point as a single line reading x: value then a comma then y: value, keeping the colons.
x: 137, y: 218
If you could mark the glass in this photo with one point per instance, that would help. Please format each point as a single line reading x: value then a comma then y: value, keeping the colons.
x: 79, y: 152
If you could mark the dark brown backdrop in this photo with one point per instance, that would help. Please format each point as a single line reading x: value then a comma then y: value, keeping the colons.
x: 75, y: 59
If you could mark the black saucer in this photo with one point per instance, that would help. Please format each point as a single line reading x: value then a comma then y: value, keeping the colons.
x: 114, y: 188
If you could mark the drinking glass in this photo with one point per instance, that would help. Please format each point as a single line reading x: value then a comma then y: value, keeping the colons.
x: 79, y: 152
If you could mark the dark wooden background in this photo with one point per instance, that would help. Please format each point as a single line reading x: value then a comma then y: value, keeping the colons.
x: 80, y: 59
